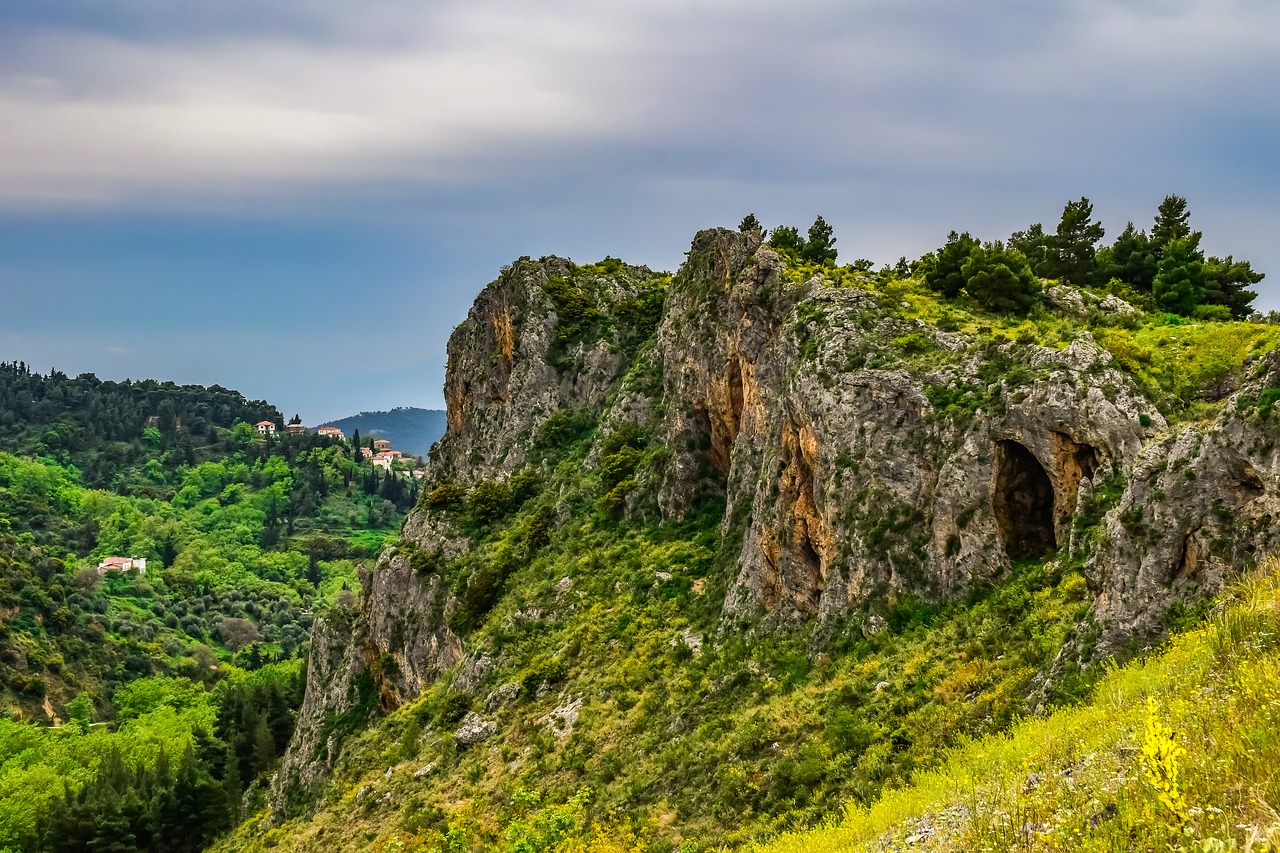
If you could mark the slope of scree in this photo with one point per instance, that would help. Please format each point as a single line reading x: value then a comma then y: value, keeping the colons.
x: 727, y: 547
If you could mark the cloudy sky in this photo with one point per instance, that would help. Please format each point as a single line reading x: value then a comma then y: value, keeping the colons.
x: 300, y: 199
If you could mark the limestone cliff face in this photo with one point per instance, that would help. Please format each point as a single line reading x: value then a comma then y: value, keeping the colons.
x: 336, y: 668
x: 854, y: 487
x: 1199, y: 503
x: 861, y: 456
x: 510, y: 366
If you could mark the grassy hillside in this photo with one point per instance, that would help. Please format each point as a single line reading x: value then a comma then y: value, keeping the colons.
x: 1179, y: 751
x: 127, y: 699
x: 625, y: 715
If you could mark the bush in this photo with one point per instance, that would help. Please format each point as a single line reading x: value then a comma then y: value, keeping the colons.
x: 563, y: 428
x: 445, y: 495
x: 1000, y: 279
x: 489, y: 501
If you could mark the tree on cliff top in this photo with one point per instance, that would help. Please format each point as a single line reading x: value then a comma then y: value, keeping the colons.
x: 820, y: 248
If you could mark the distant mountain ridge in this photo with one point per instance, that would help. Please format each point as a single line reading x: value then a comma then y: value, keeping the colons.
x: 409, y: 429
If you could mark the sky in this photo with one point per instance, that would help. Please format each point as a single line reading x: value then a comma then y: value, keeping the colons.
x: 300, y: 199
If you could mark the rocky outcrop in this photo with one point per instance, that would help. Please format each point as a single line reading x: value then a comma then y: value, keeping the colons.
x: 337, y: 700
x: 516, y: 360
x: 1199, y: 504
x: 865, y: 455
x: 371, y: 660
x: 861, y: 452
x: 407, y: 632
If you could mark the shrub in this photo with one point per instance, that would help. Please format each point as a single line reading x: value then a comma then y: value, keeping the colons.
x: 489, y: 501
x: 446, y: 495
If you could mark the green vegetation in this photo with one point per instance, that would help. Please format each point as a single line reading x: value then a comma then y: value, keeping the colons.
x: 628, y: 717
x: 627, y: 714
x: 168, y: 774
x: 818, y: 248
x: 731, y: 737
x: 1177, y: 752
x: 605, y: 301
x: 141, y: 708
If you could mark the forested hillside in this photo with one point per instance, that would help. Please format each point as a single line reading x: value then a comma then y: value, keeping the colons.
x: 142, y: 706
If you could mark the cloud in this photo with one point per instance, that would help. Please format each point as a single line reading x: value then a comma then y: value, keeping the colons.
x: 143, y: 109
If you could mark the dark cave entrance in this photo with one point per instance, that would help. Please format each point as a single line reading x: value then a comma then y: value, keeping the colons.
x: 1023, y: 503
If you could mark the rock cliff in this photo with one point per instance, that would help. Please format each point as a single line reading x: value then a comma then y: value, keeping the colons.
x: 863, y: 451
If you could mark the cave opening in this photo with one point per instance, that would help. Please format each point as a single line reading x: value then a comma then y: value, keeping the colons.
x: 810, y: 595
x: 735, y: 398
x: 1023, y: 503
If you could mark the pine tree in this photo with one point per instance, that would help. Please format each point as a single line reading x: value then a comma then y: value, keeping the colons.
x: 1038, y: 248
x: 1226, y: 283
x: 820, y: 247
x: 749, y: 223
x: 1131, y: 259
x: 1000, y: 279
x: 787, y: 239
x: 1180, y: 282
x: 1172, y: 222
x: 1075, y: 242
x: 946, y: 273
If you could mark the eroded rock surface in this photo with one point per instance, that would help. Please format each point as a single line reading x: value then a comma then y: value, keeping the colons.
x: 861, y: 455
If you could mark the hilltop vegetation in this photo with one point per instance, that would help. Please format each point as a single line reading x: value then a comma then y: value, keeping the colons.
x: 142, y: 707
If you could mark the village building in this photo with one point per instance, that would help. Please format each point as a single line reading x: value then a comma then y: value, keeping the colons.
x: 381, y: 444
x: 296, y: 429
x: 121, y: 564
x: 382, y: 461
x: 330, y: 432
x: 265, y: 428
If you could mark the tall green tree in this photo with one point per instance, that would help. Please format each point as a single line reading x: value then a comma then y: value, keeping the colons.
x: 1038, y: 248
x: 1180, y: 280
x: 1227, y: 283
x: 786, y: 238
x: 749, y: 223
x: 820, y: 247
x: 1172, y: 222
x: 1131, y: 259
x: 1075, y: 243
x: 946, y: 274
x: 1000, y: 279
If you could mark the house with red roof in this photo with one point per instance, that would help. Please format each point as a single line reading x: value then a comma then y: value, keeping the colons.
x: 121, y: 564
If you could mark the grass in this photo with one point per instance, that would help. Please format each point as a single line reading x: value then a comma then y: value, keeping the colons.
x: 734, y: 737
x: 1177, y: 752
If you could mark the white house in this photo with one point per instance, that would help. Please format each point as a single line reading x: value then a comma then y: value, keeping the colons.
x: 120, y: 564
x: 330, y: 432
x: 266, y: 428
